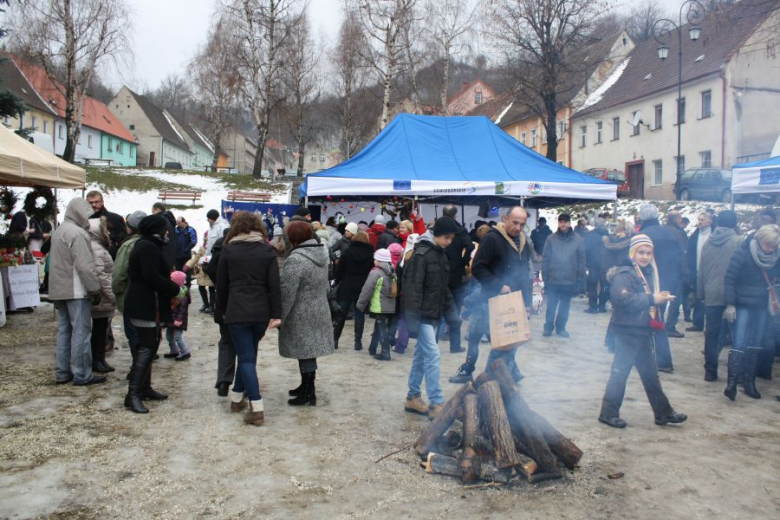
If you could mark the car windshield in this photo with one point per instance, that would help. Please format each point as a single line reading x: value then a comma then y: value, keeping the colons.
x: 616, y: 175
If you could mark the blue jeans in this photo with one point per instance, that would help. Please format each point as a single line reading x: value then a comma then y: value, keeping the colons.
x: 748, y: 330
x: 426, y: 363
x: 175, y: 339
x: 74, y: 341
x: 246, y: 337
x: 509, y: 359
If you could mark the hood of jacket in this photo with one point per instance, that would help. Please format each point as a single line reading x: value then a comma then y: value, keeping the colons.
x: 78, y: 212
x: 361, y: 251
x: 616, y: 243
x: 501, y: 228
x: 378, y: 228
x: 721, y: 235
x: 385, y: 267
x: 626, y: 266
x: 312, y: 251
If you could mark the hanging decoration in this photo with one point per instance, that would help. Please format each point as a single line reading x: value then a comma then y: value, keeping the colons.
x: 40, y: 203
x: 8, y: 200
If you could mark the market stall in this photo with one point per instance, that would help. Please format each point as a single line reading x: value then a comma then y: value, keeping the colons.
x: 756, y: 178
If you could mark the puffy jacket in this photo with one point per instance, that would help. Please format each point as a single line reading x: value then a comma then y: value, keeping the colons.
x: 248, y: 287
x: 745, y: 284
x: 715, y: 259
x: 593, y: 244
x: 426, y: 293
x: 186, y: 240
x: 563, y: 261
x: 459, y: 253
x: 373, y: 234
x: 116, y: 229
x: 498, y: 262
x: 121, y: 279
x: 386, y: 238
x: 216, y: 232
x: 614, y: 252
x: 669, y: 256
x: 104, y: 268
x: 352, y: 270
x: 71, y: 270
x: 631, y: 303
x: 180, y: 309
x: 378, y: 301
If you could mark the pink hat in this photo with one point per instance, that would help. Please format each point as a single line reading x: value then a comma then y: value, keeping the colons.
x: 396, y: 250
x: 179, y: 277
x: 382, y: 255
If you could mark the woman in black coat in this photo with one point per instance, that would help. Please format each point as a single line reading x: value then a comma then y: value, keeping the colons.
x: 249, y: 295
x: 351, y: 274
x: 147, y: 305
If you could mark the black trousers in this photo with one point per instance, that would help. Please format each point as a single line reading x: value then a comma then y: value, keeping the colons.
x: 98, y: 341
x: 712, y: 332
x: 598, y: 290
x: 633, y: 351
x: 141, y: 373
x: 226, y: 357
x: 307, y: 366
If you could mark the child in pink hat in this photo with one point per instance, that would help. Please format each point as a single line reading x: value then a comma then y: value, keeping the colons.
x: 174, y: 332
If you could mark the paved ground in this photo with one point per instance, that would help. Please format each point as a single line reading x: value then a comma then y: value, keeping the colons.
x: 68, y: 452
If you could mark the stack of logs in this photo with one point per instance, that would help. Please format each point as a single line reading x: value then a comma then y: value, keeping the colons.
x: 501, y: 436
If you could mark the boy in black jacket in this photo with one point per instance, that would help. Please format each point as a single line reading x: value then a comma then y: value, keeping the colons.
x: 427, y: 300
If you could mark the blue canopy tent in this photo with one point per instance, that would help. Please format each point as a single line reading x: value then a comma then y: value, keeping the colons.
x: 756, y: 177
x: 452, y: 156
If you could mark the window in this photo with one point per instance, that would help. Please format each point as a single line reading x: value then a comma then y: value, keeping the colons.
x: 533, y: 138
x: 89, y: 141
x: 478, y: 97
x: 599, y: 131
x: 35, y: 123
x: 635, y: 129
x: 45, y: 127
x: 615, y: 128
x: 561, y: 129
x: 659, y: 116
x: 658, y: 168
x: 544, y: 135
x: 681, y: 111
x: 7, y: 120
x: 132, y: 127
x: 119, y: 146
x: 706, y: 159
x: 110, y: 144
x: 680, y: 163
x: 583, y: 136
x: 60, y: 132
x: 522, y: 138
x: 322, y: 158
x: 706, y: 104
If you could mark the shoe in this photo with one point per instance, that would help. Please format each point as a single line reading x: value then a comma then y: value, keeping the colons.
x: 204, y: 308
x: 307, y: 392
x: 457, y: 350
x: 156, y: 356
x: 210, y: 310
x: 675, y: 418
x: 255, y: 414
x: 358, y: 347
x: 64, y: 382
x: 547, y: 333
x: 602, y: 310
x: 102, y: 367
x: 462, y: 377
x: 666, y: 370
x: 96, y: 380
x: 434, y: 410
x: 710, y: 375
x: 563, y: 334
x: 150, y: 394
x: 133, y: 401
x: 688, y: 319
x: 171, y: 355
x: 693, y: 329
x: 222, y: 389
x: 615, y: 422
x: 674, y: 334
x: 398, y: 350
x: 416, y: 405
x: 735, y: 367
x: 749, y: 373
x: 591, y: 310
x: 237, y: 402
x: 184, y: 357
x: 384, y: 356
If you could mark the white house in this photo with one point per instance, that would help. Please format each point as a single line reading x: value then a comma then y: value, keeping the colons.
x: 729, y: 108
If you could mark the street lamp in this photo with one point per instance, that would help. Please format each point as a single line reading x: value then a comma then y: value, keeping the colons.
x: 662, y: 33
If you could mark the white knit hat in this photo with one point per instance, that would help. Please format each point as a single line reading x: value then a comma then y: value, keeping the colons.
x: 352, y: 228
x: 383, y: 255
x: 379, y: 219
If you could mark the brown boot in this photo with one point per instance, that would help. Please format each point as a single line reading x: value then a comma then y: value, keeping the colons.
x: 237, y: 402
x: 416, y: 405
x: 255, y: 413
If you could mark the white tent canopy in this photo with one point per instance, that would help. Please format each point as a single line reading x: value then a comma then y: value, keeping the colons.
x: 24, y: 164
x: 756, y: 177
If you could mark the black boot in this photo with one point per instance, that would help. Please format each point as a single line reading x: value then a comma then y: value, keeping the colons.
x: 148, y: 392
x: 374, y: 343
x: 295, y: 392
x: 359, y: 326
x: 735, y: 366
x: 137, y: 374
x: 749, y: 372
x: 306, y: 395
x: 385, y: 355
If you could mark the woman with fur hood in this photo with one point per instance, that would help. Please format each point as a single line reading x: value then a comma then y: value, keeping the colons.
x: 103, y: 311
x: 637, y: 299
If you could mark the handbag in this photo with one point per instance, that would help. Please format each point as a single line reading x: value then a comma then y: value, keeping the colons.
x: 774, y: 299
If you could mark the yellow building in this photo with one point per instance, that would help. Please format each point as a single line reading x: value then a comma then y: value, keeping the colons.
x: 529, y: 129
x: 38, y: 115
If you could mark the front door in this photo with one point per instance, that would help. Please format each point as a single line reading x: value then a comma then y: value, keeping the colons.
x: 636, y: 179
x: 151, y: 159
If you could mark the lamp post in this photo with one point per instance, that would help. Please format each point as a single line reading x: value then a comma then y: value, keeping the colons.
x: 662, y: 33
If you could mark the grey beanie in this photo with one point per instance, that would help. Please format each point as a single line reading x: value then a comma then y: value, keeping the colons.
x: 648, y: 212
x: 600, y: 223
x: 379, y: 219
x: 135, y: 218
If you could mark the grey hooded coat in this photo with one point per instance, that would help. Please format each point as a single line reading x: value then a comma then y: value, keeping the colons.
x: 306, y: 331
x: 72, y: 268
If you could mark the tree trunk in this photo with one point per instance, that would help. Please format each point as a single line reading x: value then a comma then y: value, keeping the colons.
x: 388, y: 80
x: 445, y: 84
x: 550, y: 128
x: 494, y: 415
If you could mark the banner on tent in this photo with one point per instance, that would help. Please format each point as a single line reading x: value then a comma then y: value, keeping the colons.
x: 273, y: 213
x: 756, y: 180
x: 321, y: 186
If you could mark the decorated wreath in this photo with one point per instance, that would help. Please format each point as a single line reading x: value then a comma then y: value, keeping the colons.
x: 8, y: 200
x: 40, y: 203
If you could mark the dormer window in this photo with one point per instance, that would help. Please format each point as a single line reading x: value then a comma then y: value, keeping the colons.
x: 478, y: 96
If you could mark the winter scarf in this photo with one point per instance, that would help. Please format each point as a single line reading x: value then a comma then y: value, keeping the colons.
x: 763, y: 260
x: 721, y: 235
x: 253, y: 236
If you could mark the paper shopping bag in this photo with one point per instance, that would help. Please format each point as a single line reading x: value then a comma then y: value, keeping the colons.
x: 509, y: 325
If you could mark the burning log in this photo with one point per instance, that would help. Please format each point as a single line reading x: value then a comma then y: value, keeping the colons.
x: 470, y: 463
x: 451, y: 466
x: 562, y: 447
x: 448, y: 414
x: 495, y: 416
x: 527, y: 466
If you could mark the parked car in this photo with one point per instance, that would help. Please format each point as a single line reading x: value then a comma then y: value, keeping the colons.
x: 173, y: 166
x: 706, y: 184
x: 616, y: 176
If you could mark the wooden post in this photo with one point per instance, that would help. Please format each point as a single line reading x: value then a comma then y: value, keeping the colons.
x: 469, y: 463
x: 492, y: 407
x: 441, y: 424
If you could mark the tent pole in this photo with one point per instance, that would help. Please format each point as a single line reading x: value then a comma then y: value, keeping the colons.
x: 306, y: 201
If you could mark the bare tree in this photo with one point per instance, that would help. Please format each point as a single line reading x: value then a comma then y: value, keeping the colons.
x: 70, y: 39
x: 263, y: 30
x: 214, y: 74
x: 173, y: 94
x: 640, y: 20
x: 301, y: 60
x: 451, y: 23
x: 385, y: 22
x: 544, y: 42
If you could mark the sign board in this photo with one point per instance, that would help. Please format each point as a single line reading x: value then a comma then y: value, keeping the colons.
x: 23, y: 287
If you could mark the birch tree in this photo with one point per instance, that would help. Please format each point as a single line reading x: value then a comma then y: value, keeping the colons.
x: 451, y: 24
x: 70, y: 39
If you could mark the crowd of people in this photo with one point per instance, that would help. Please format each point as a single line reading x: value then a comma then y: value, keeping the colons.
x: 415, y: 280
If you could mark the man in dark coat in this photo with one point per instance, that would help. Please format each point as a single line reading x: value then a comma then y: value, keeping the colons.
x: 598, y: 292
x: 116, y: 224
x: 169, y: 245
x: 696, y: 244
x: 186, y: 239
x: 670, y: 260
x: 540, y: 235
x: 389, y: 235
x: 502, y: 265
x: 563, y: 272
x: 350, y: 274
x: 459, y: 254
x: 226, y: 353
x: 582, y: 227
x: 675, y: 226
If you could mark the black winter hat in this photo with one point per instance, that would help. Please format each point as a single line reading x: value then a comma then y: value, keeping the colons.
x: 152, y: 225
x: 564, y: 217
x: 727, y: 219
x: 444, y: 226
x: 302, y: 211
x: 212, y: 214
x: 391, y: 224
